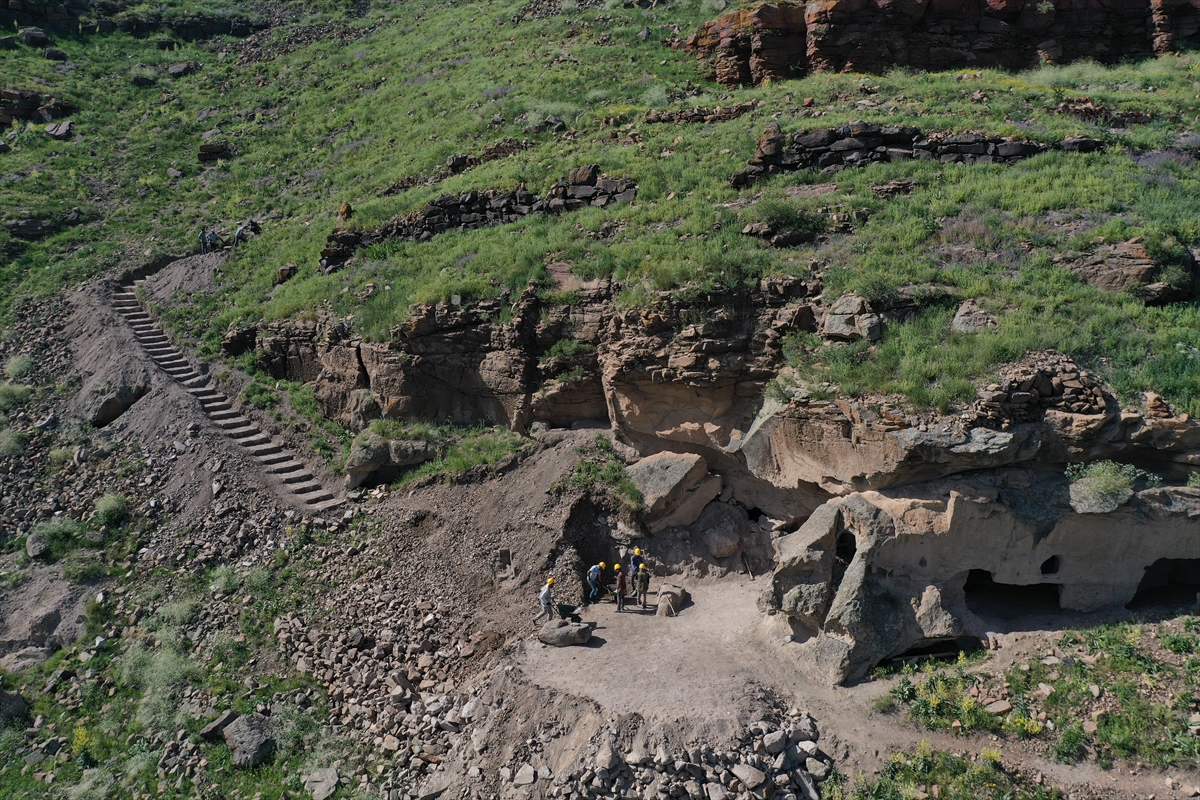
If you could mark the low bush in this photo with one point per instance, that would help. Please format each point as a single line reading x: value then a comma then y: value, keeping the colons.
x: 1193, y: 480
x: 13, y: 395
x: 1110, y: 480
x: 260, y: 396
x: 18, y: 367
x: 111, y: 511
x: 10, y: 442
x: 600, y: 470
x: 63, y: 533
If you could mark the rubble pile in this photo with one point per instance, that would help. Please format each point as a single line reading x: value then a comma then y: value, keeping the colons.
x: 18, y: 105
x: 773, y: 759
x: 1041, y: 381
x: 701, y: 115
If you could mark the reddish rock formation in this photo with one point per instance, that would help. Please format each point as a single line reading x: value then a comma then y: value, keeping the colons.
x: 778, y: 40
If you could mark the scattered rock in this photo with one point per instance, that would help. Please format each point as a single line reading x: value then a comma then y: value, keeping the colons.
x: 560, y: 633
x: 971, y: 318
x: 249, y: 740
x: 322, y: 783
x: 12, y: 706
x: 216, y: 729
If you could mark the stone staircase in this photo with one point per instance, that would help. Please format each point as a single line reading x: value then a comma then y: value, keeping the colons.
x: 276, y: 460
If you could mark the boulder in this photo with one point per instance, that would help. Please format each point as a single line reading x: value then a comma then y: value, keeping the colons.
x: 37, y: 546
x: 249, y: 739
x: 971, y: 318
x: 55, y: 54
x: 30, y: 227
x: 366, y: 455
x: 525, y: 776
x: 115, y: 404
x: 60, y: 130
x: 664, y: 479
x: 560, y: 633
x: 34, y: 37
x: 671, y: 599
x: 748, y: 775
x: 1129, y: 267
x: 12, y: 706
x: 216, y: 729
x: 322, y: 783
x: 692, y: 505
x: 183, y: 69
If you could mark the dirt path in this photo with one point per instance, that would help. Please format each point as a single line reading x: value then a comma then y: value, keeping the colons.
x: 704, y: 669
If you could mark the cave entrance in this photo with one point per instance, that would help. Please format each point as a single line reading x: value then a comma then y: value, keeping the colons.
x: 1169, y: 582
x: 844, y: 552
x: 987, y: 598
x: 940, y: 650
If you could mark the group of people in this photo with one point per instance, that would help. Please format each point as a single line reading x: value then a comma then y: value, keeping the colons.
x: 632, y: 583
x: 211, y: 241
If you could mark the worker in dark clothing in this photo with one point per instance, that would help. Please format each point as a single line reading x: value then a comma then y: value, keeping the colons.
x: 635, y: 563
x: 214, y: 241
x: 622, y: 587
x: 641, y: 582
x: 595, y: 579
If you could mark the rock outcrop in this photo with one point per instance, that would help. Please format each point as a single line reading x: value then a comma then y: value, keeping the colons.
x: 858, y: 144
x: 781, y: 40
x: 1129, y: 267
x: 874, y: 574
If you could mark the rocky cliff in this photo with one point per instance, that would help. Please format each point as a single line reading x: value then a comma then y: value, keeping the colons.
x: 780, y: 40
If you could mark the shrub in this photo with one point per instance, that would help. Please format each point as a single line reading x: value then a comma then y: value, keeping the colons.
x: 13, y: 394
x: 603, y: 471
x: 82, y: 567
x: 10, y: 442
x: 111, y: 511
x: 18, y: 367
x: 260, y: 396
x: 1193, y: 480
x: 224, y: 580
x: 567, y: 348
x: 1178, y: 643
x: 61, y: 533
x: 57, y: 460
x: 1110, y: 480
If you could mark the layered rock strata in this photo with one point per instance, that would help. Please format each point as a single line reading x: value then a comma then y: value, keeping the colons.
x: 863, y: 143
x: 584, y: 186
x: 775, y: 41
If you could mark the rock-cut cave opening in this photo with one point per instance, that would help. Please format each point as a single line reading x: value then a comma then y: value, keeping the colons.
x: 1169, y: 581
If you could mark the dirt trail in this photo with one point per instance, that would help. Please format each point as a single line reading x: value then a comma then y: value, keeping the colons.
x: 703, y: 668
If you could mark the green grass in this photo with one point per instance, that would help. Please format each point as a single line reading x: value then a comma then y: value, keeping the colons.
x: 980, y: 777
x: 1152, y: 675
x: 13, y: 395
x: 300, y: 155
x: 599, y: 471
x: 111, y: 510
x: 468, y: 449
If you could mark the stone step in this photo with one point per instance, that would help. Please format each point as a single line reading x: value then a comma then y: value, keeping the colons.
x: 219, y: 414
x: 286, y: 467
x: 297, y: 477
x: 268, y: 448
x: 199, y: 384
x: 235, y: 422
x: 275, y: 459
x: 254, y: 441
x: 317, y: 499
x: 243, y: 431
x: 307, y: 488
x: 326, y: 505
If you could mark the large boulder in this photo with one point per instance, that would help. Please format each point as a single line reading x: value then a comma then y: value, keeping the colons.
x: 37, y: 545
x: 322, y: 783
x: 560, y: 633
x: 12, y: 706
x: 250, y: 740
x: 664, y: 479
x: 691, y: 506
x: 116, y: 403
x: 671, y: 599
x: 1130, y: 267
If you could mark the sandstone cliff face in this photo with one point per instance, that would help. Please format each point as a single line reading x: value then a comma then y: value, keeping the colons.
x: 875, y: 574
x: 778, y: 40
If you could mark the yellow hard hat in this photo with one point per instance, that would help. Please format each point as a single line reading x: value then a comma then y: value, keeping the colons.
x: 549, y: 581
x: 603, y: 565
x: 616, y: 566
x: 641, y: 566
x: 637, y: 551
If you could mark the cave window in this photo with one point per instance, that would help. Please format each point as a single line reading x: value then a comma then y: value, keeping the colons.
x: 1050, y: 566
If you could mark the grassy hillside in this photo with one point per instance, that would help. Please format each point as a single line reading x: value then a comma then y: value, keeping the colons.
x: 395, y: 91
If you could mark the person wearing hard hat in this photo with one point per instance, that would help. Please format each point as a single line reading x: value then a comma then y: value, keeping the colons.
x: 546, y: 598
x: 641, y: 583
x: 635, y: 563
x: 622, y: 587
x: 595, y: 579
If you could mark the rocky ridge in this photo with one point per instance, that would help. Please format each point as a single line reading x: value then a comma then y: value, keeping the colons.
x: 776, y: 41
